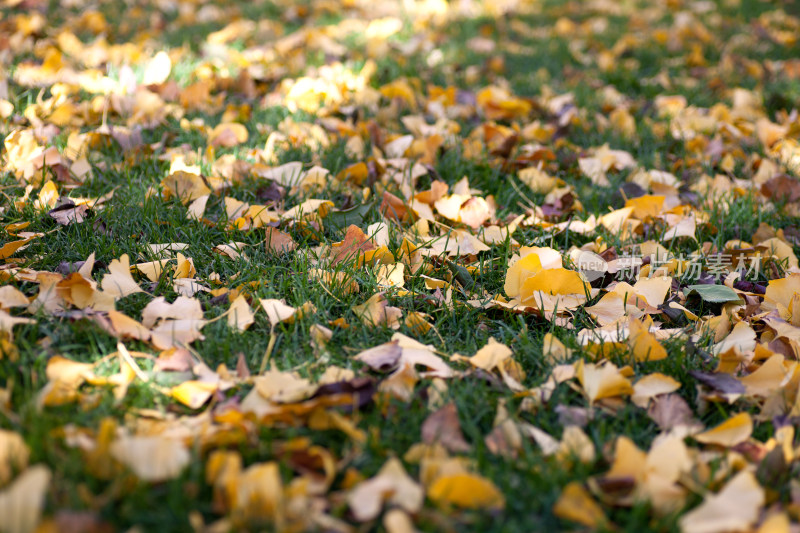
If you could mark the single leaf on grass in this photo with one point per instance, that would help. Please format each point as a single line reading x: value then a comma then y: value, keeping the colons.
x: 14, y: 455
x: 182, y: 308
x: 467, y: 490
x: 491, y: 355
x: 12, y: 297
x: 7, y: 322
x: 119, y: 282
x: 577, y: 505
x: 240, y: 316
x: 714, y: 293
x: 643, y: 344
x: 390, y: 275
x: 185, y: 267
x: 153, y: 458
x: 9, y: 248
x: 392, y: 485
x: 355, y: 243
x: 193, y: 393
x: 153, y: 269
x: 176, y: 333
x: 278, y: 242
x: 417, y: 322
x: 671, y: 411
x: 196, y: 209
x: 733, y: 431
x: 383, y: 358
x: 257, y: 493
x: 377, y: 312
x: 602, y: 381
x: 186, y: 186
x: 442, y: 426
x: 22, y: 501
x: 69, y: 213
x: 277, y: 311
x: 554, y: 281
x: 734, y: 508
x: 652, y: 385
x: 353, y: 216
x: 126, y: 327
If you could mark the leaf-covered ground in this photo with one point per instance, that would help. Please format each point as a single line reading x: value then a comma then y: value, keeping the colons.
x: 399, y: 266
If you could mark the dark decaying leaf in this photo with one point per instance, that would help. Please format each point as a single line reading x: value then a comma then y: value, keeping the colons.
x: 69, y: 213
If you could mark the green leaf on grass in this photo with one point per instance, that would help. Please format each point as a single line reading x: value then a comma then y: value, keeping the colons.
x: 714, y: 293
x: 355, y: 215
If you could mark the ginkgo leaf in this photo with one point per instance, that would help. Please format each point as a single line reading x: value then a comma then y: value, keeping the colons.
x: 576, y: 505
x: 733, y: 431
x: 734, y: 508
x: 119, y: 282
x: 240, y: 316
x: 22, y: 501
x: 491, y: 355
x: 643, y: 344
x: 443, y: 426
x: 152, y: 269
x: 602, y: 381
x: 377, y: 312
x: 157, y: 69
x: 466, y: 490
x: 279, y: 242
x: 127, y: 327
x: 152, y: 458
x: 14, y: 455
x: 391, y: 485
x: 193, y: 394
x: 554, y: 281
x: 653, y: 385
x: 12, y: 297
x: 257, y: 492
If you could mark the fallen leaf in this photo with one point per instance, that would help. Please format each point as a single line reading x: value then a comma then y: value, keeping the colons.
x: 22, y: 502
x: 576, y: 505
x: 119, y: 282
x: 391, y: 485
x: 733, y: 431
x: 734, y: 508
x: 442, y: 426
x: 470, y: 491
x: 153, y: 458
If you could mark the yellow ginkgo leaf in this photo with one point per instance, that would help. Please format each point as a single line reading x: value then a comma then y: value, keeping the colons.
x: 734, y: 508
x: 22, y: 501
x: 733, y: 431
x: 13, y: 454
x: 643, y: 344
x: 602, y: 381
x: 152, y: 458
x: 193, y: 393
x: 520, y: 271
x: 652, y: 385
x: 466, y: 490
x: 577, y: 505
x: 554, y: 281
x: 240, y: 316
x: 119, y: 282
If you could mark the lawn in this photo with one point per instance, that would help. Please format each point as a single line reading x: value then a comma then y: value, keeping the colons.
x: 392, y: 266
